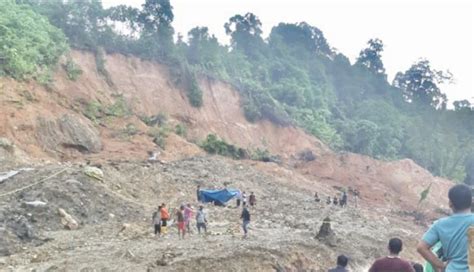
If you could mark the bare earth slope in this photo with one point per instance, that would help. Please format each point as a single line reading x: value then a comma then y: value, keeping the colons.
x: 40, y: 127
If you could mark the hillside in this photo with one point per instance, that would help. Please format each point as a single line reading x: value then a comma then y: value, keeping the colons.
x: 99, y: 121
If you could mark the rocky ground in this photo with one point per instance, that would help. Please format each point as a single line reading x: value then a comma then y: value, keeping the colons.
x: 114, y: 220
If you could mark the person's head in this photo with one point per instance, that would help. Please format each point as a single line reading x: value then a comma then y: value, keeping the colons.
x: 159, y: 207
x: 342, y: 260
x: 199, y: 186
x: 201, y: 207
x: 189, y: 205
x: 418, y: 267
x: 181, y: 207
x: 460, y: 197
x: 395, y: 245
x: 163, y: 205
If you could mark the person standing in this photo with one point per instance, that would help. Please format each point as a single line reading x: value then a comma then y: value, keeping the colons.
x: 316, y: 197
x: 201, y: 220
x: 165, y: 216
x: 188, y: 214
x: 245, y: 216
x: 393, y: 262
x: 252, y: 199
x: 198, y: 193
x: 341, y: 264
x: 343, y: 201
x: 244, y: 199
x: 238, y: 199
x: 181, y: 223
x: 156, y: 218
x: 452, y: 232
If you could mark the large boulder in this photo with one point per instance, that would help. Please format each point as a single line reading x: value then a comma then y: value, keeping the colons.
x: 68, y: 131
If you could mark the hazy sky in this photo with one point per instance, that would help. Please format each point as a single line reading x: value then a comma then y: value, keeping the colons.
x: 439, y: 30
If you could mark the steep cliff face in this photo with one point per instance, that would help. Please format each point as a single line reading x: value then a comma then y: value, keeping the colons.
x: 52, y: 124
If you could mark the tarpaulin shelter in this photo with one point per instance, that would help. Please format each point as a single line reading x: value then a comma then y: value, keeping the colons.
x: 219, y: 197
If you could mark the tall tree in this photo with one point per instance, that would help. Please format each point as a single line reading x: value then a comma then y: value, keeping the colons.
x: 420, y: 84
x: 371, y: 57
x: 245, y: 32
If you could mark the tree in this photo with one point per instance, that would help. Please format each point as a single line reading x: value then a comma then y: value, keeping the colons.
x: 419, y: 84
x: 371, y: 57
x: 462, y: 105
x: 303, y: 36
x: 245, y: 32
x: 203, y: 49
x: 29, y: 45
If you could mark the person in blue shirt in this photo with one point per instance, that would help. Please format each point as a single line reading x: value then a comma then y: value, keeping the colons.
x: 451, y: 231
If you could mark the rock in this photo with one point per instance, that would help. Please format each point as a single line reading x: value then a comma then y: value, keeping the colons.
x: 68, y: 131
x: 67, y: 220
x: 36, y: 203
x: 325, y: 229
x: 111, y: 215
x: 6, y: 144
x: 94, y: 172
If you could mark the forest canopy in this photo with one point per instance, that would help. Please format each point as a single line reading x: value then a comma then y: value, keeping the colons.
x: 291, y: 77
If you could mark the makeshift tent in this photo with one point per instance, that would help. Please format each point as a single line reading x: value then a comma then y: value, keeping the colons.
x: 219, y: 197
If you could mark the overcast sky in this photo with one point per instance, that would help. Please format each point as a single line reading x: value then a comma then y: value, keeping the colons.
x: 438, y: 30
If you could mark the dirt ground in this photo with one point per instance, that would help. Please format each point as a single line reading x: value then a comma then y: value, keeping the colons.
x: 115, y: 232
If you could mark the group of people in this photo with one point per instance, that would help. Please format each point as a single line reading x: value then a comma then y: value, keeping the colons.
x: 444, y: 246
x: 342, y: 201
x: 184, y: 214
x: 242, y: 198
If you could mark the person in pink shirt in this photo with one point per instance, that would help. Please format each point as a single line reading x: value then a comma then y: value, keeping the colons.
x: 188, y: 214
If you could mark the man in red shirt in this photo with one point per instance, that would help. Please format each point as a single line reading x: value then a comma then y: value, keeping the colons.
x: 392, y: 263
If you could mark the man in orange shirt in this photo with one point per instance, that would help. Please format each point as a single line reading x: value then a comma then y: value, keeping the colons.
x: 165, y: 216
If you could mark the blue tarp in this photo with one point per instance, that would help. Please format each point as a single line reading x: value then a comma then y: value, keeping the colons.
x: 218, y: 196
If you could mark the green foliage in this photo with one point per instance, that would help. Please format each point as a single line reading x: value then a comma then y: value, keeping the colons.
x: 213, y: 145
x: 93, y: 110
x: 194, y: 92
x: 181, y: 130
x: 292, y: 77
x: 261, y: 155
x: 118, y: 109
x: 159, y: 135
x: 29, y: 45
x: 72, y: 69
x: 160, y: 119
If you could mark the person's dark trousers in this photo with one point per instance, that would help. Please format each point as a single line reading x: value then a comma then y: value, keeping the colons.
x: 157, y: 228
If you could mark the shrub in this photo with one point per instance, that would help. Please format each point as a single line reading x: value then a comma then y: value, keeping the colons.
x: 160, y: 119
x: 213, y: 145
x: 93, y: 110
x: 29, y: 46
x: 159, y: 135
x: 118, y: 109
x: 72, y: 69
x: 181, y: 130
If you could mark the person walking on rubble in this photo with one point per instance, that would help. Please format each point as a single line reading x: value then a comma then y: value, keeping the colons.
x: 156, y: 219
x: 180, y: 221
x: 165, y: 216
x: 201, y: 220
x: 252, y: 199
x: 245, y: 216
x: 188, y: 214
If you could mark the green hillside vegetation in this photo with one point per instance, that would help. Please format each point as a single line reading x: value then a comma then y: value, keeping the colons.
x: 291, y: 77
